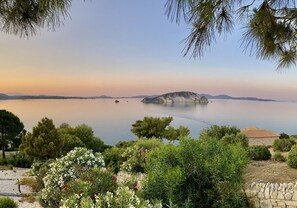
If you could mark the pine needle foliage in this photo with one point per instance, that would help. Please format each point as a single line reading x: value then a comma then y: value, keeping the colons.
x: 270, y: 26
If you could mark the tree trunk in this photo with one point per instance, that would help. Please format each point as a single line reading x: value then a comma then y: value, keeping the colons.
x: 3, y: 151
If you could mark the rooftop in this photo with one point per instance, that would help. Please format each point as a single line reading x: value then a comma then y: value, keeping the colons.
x: 253, y: 132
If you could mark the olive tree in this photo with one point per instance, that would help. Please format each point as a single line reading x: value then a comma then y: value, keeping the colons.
x: 10, y: 129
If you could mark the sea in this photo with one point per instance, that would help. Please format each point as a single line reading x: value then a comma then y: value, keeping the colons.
x: 112, y: 121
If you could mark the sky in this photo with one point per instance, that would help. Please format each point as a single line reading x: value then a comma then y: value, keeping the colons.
x: 126, y: 48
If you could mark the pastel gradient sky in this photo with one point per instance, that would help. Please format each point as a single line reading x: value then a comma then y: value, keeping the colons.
x: 124, y: 48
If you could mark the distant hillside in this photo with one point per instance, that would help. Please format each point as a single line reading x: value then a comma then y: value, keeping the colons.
x: 235, y: 98
x: 104, y: 96
x: 3, y: 96
x: 24, y: 97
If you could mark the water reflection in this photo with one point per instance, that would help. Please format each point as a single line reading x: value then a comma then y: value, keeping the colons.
x: 112, y: 121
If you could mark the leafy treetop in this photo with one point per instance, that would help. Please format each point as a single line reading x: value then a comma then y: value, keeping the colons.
x: 155, y: 127
x: 10, y: 128
x: 44, y: 142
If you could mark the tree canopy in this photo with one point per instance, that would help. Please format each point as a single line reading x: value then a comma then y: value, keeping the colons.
x: 10, y: 128
x: 270, y: 25
x: 155, y: 127
x: 24, y: 18
x: 80, y: 136
x: 44, y: 142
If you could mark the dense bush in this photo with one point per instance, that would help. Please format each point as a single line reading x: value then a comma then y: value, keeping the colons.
x: 292, y: 157
x: 123, y: 197
x: 70, y: 142
x: 197, y: 173
x: 3, y: 161
x: 236, y: 138
x: 6, y: 202
x: 17, y: 160
x: 218, y: 132
x: 135, y: 156
x: 284, y: 136
x: 40, y: 169
x: 283, y: 145
x: 68, y: 168
x: 113, y: 158
x: 259, y: 152
x: 279, y: 157
x: 80, y: 136
x: 20, y: 160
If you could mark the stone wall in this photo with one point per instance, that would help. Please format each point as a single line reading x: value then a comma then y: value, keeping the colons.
x: 273, y: 195
x: 262, y: 141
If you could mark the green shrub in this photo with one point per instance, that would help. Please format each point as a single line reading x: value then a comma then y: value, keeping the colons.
x: 70, y: 142
x: 135, y: 156
x: 292, y: 157
x: 236, y: 138
x: 20, y: 160
x: 113, y: 158
x: 279, y: 157
x: 284, y: 136
x: 196, y: 173
x: 17, y: 160
x: 3, y: 161
x: 218, y: 132
x: 259, y: 152
x: 283, y: 145
x: 6, y: 202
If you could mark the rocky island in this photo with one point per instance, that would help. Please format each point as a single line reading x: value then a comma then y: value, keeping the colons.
x: 177, y: 97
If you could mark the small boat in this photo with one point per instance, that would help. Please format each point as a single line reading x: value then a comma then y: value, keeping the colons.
x: 116, y: 101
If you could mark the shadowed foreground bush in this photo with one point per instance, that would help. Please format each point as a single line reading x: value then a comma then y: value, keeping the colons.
x: 259, y: 152
x: 6, y: 202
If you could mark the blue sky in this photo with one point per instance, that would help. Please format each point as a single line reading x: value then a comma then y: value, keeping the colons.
x: 125, y: 48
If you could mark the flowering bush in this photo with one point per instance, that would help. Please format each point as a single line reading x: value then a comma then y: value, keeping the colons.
x: 136, y: 154
x: 122, y: 198
x: 75, y: 164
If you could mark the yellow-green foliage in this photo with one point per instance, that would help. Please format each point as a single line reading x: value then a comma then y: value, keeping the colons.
x: 292, y: 157
x: 6, y: 202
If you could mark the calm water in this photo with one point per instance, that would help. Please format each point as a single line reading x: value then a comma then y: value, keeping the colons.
x: 112, y: 122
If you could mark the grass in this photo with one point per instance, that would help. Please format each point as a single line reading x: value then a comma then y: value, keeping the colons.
x: 28, y: 198
x: 31, y: 182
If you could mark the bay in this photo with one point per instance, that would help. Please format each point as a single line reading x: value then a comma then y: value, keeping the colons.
x: 112, y: 121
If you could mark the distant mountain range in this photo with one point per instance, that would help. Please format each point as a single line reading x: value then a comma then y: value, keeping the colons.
x: 227, y: 97
x: 25, y: 97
